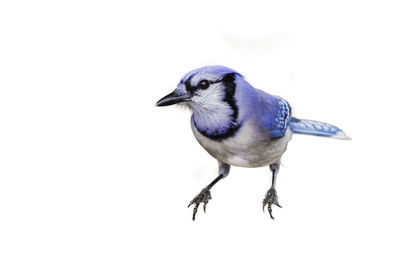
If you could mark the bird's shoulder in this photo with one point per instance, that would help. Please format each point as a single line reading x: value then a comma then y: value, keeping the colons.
x: 275, y: 113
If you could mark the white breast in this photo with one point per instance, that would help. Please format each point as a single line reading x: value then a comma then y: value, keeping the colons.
x: 248, y: 148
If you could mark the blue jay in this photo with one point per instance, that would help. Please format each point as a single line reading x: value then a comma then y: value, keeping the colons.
x: 240, y: 125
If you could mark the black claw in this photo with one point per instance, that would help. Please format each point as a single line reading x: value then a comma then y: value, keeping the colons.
x: 271, y: 198
x: 270, y: 211
x: 195, y: 211
x: 203, y: 197
x: 191, y: 203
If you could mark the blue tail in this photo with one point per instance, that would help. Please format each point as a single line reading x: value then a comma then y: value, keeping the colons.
x: 316, y: 128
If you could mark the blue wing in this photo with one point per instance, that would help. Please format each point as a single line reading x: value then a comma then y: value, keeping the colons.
x: 275, y: 114
x: 280, y: 123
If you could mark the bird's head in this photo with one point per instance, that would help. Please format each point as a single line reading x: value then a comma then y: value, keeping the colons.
x: 208, y: 89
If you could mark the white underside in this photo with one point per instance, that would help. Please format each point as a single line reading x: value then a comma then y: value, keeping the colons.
x: 248, y: 148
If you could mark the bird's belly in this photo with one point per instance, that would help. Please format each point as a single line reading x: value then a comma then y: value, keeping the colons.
x: 246, y: 149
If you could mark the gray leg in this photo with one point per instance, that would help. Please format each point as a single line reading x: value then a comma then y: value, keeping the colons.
x: 205, y: 195
x: 272, y: 197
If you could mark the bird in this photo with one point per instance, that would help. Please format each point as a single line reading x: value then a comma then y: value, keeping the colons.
x: 240, y: 125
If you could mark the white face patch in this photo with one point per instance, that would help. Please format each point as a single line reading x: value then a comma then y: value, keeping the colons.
x: 208, y: 99
x: 211, y: 91
x: 210, y: 111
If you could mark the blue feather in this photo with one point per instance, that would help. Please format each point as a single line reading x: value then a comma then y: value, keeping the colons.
x: 275, y: 115
x: 316, y: 128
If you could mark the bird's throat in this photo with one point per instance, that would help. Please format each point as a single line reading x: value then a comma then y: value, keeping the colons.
x: 217, y: 126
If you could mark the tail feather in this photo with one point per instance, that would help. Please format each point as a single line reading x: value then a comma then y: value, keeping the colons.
x: 316, y: 128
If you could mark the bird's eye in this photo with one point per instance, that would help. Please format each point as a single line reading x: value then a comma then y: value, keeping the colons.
x: 204, y: 84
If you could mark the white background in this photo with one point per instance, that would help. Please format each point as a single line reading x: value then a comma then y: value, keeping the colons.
x: 93, y: 174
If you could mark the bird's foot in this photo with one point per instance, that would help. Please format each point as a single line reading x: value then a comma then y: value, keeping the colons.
x: 271, y: 198
x: 203, y: 197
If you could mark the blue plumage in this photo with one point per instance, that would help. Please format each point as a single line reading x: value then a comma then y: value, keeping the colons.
x: 240, y: 125
x: 315, y: 128
x: 278, y: 124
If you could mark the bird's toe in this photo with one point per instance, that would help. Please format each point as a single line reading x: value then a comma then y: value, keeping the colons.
x: 203, y: 197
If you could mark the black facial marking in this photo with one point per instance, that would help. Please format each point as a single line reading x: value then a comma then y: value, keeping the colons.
x: 189, y: 86
x: 230, y: 87
x: 203, y: 85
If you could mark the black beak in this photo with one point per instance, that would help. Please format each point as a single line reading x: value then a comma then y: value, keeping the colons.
x: 171, y: 99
